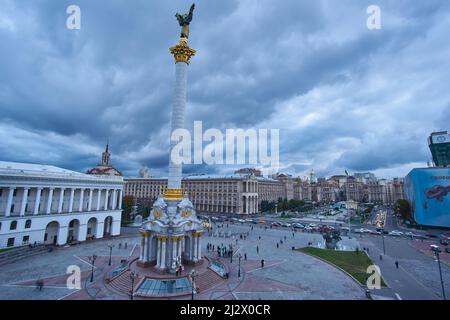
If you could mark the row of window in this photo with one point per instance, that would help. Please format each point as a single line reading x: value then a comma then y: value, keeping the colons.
x: 13, y: 225
x: 11, y: 241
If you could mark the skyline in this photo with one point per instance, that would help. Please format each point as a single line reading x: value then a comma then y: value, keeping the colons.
x: 344, y: 97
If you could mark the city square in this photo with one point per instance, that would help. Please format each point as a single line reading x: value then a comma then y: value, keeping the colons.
x: 338, y: 202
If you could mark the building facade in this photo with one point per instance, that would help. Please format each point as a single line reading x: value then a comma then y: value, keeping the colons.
x: 51, y: 205
x: 243, y: 192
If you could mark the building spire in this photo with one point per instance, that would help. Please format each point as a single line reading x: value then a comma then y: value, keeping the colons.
x: 106, y: 155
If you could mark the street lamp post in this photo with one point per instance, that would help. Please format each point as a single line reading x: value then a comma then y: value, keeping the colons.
x: 92, y: 261
x: 132, y: 277
x: 384, y: 247
x: 436, y: 251
x: 110, y: 253
x: 239, y: 269
x: 231, y: 256
x: 193, y: 275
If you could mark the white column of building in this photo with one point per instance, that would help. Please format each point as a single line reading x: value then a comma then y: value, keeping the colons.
x: 194, y: 246
x: 174, y: 249
x: 114, y: 200
x: 120, y: 199
x: 9, y: 201
x: 61, y: 200
x: 91, y: 191
x: 163, y: 252
x: 23, y: 204
x: 247, y: 204
x: 106, y: 199
x: 49, y: 201
x: 99, y: 196
x: 141, y: 256
x: 145, y: 247
x: 199, y: 248
x: 72, y: 194
x: 80, y: 207
x: 37, y: 201
x: 158, y: 252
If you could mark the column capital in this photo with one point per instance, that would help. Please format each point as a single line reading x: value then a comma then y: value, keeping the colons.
x: 182, y: 52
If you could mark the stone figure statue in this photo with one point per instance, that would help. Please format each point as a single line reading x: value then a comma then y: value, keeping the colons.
x: 332, y: 238
x: 184, y: 20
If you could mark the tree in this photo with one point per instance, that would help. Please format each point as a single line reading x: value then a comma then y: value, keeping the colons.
x: 403, y: 208
x: 127, y: 203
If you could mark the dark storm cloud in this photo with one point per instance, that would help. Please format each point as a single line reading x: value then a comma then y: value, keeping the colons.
x: 343, y: 96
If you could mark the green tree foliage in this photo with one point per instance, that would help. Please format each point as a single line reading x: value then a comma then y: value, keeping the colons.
x: 403, y: 208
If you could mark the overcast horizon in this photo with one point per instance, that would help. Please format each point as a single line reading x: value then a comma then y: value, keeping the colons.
x: 344, y: 97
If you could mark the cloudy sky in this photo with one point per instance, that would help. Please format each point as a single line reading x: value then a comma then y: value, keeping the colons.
x: 343, y: 97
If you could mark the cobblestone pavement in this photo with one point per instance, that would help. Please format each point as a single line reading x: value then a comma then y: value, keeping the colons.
x: 418, y: 273
x: 287, y: 274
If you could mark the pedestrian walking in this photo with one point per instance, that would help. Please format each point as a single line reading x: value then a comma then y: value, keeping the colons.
x: 257, y: 249
x: 262, y: 263
x: 278, y: 245
x: 245, y: 256
x: 381, y: 257
x: 396, y: 264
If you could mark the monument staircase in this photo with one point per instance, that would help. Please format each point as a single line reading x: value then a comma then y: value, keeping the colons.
x: 122, y: 283
x: 207, y: 280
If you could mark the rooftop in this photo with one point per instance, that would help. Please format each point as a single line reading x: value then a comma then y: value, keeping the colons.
x: 41, y: 170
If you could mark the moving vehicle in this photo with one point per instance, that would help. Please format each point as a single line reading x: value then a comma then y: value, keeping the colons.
x: 396, y: 233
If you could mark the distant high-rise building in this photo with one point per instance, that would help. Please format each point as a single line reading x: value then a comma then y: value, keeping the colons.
x: 439, y: 143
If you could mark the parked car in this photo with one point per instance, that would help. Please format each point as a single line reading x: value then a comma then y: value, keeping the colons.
x: 298, y: 226
x: 396, y: 233
x: 275, y: 224
x: 447, y: 250
x: 444, y: 242
x: 285, y: 224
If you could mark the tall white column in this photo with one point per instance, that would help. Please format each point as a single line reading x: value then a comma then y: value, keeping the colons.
x: 120, y: 199
x: 106, y: 199
x: 72, y: 194
x: 37, y: 201
x: 81, y: 205
x: 91, y: 191
x: 114, y: 200
x: 61, y: 200
x: 99, y: 196
x: 9, y: 201
x: 23, y: 204
x: 177, y: 122
x: 49, y: 201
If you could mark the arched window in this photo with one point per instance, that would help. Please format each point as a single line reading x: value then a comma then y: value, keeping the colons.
x: 13, y: 225
x: 28, y: 224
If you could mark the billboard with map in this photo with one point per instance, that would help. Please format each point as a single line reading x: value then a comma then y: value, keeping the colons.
x: 428, y: 192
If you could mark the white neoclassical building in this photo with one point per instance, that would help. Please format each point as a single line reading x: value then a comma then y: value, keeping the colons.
x: 51, y: 205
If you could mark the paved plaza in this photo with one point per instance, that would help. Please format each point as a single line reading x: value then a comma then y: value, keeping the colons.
x: 287, y: 274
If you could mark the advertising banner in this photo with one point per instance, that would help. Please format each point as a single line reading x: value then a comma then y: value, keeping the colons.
x: 428, y: 192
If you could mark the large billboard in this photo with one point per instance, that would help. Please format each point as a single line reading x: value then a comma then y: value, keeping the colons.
x: 428, y: 192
